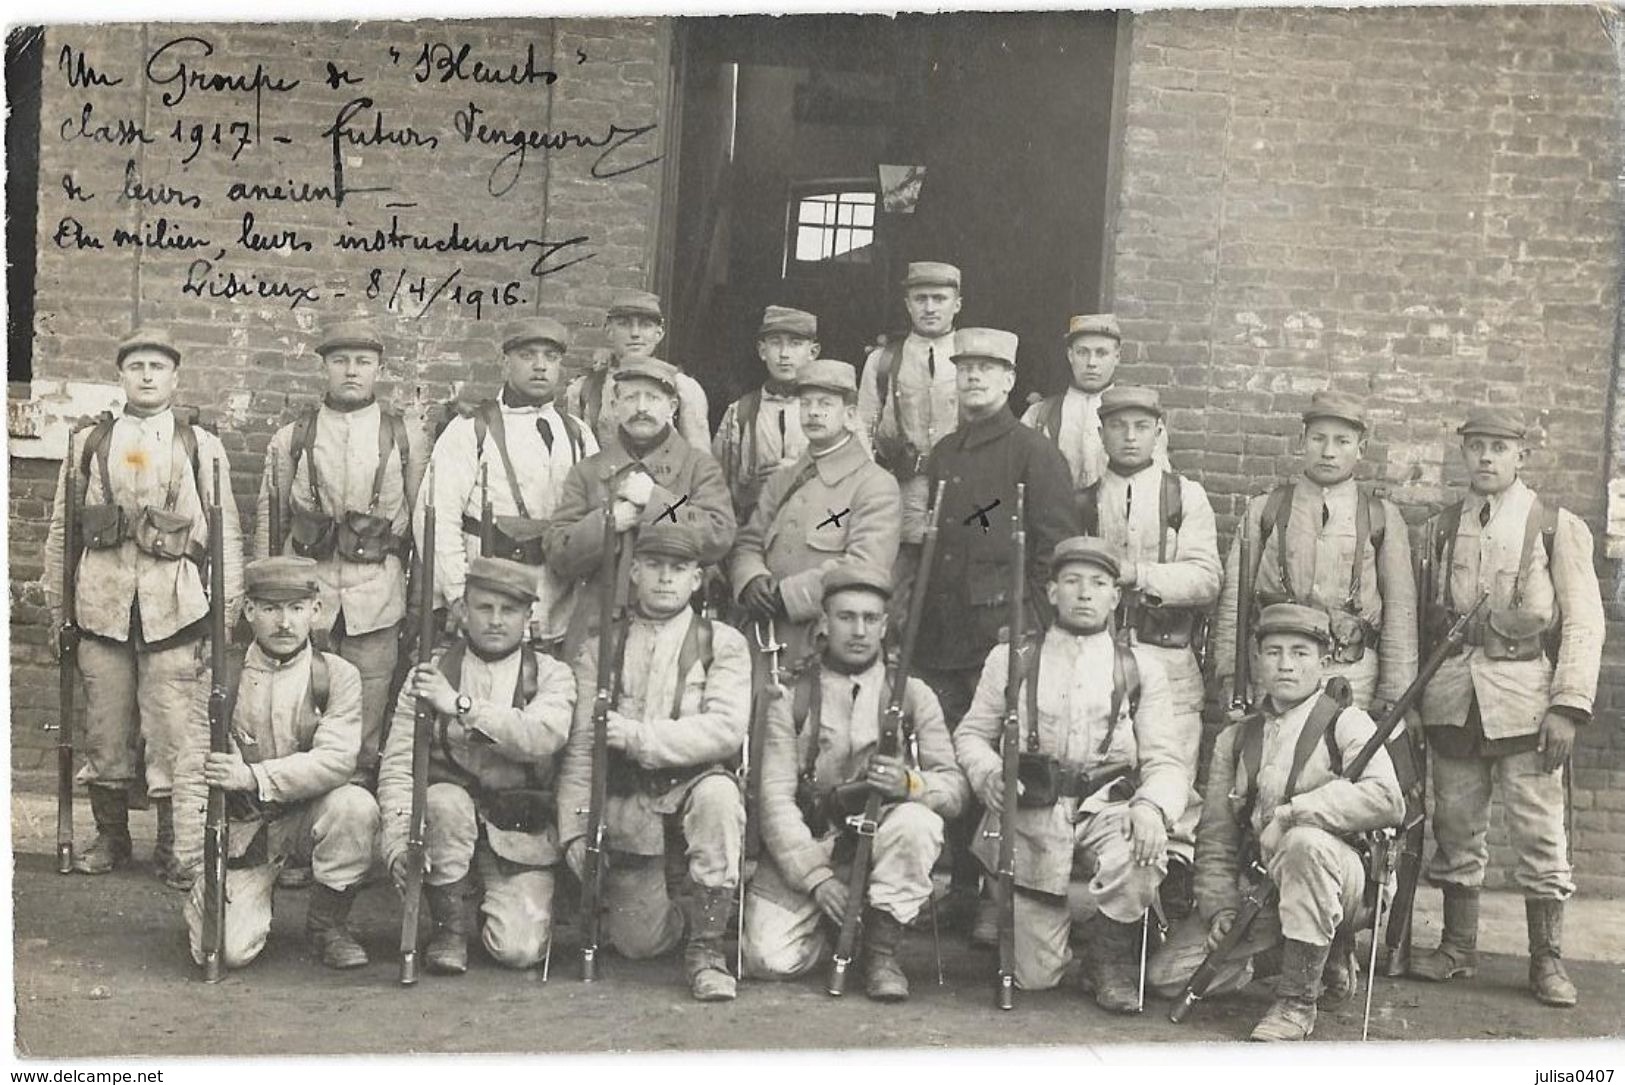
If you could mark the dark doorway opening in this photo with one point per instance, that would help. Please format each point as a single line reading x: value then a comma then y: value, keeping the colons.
x: 786, y: 124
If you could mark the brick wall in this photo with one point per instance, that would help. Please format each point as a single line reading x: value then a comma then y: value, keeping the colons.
x: 248, y: 365
x: 1417, y: 206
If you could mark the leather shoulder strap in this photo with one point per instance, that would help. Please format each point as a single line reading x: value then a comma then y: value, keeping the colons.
x: 697, y: 647
x: 321, y: 681
x: 302, y: 445
x: 1322, y: 716
x: 95, y: 448
x: 1029, y: 677
x: 524, y: 691
x: 1089, y: 508
x: 886, y: 365
x: 491, y: 413
x: 1249, y: 755
x: 187, y: 436
x: 572, y: 432
x: 1170, y: 511
x: 1125, y: 687
x: 1273, y: 519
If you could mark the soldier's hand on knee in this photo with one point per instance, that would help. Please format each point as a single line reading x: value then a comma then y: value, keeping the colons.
x: 1219, y: 927
x: 1556, y: 740
x: 1147, y: 833
x: 831, y: 898
x: 229, y: 772
x: 889, y: 776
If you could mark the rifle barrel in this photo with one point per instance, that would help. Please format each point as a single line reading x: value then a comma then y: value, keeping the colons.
x: 1004, y: 994
x: 68, y: 657
x: 216, y: 829
x: 423, y: 716
x: 610, y: 645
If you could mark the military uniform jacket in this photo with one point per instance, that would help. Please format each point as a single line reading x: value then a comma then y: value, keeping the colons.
x: 792, y: 537
x: 921, y: 404
x: 839, y: 746
x: 541, y: 463
x: 369, y: 596
x: 1074, y: 704
x: 501, y: 746
x: 1071, y: 420
x: 1320, y: 545
x: 749, y: 459
x: 707, y: 730
x: 592, y: 396
x: 1514, y: 695
x: 296, y: 752
x: 576, y: 539
x: 968, y: 596
x: 1322, y: 799
x: 145, y: 459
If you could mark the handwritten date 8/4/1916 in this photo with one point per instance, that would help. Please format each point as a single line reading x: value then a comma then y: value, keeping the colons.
x: 405, y: 289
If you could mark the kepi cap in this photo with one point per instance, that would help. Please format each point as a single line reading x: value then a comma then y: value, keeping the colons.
x: 829, y: 375
x: 282, y: 579
x: 636, y: 303
x: 649, y: 369
x: 1094, y: 324
x: 990, y: 343
x: 1338, y: 405
x: 510, y: 578
x: 148, y: 337
x: 533, y: 329
x: 349, y: 334
x: 1494, y: 422
x: 857, y: 576
x: 668, y: 540
x: 779, y: 318
x: 1086, y: 549
x: 1129, y: 397
x: 931, y: 273
x: 1294, y: 618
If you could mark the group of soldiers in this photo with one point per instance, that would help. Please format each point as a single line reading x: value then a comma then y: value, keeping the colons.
x: 742, y: 752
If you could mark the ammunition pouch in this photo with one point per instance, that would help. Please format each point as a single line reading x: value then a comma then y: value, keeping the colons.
x: 1045, y: 781
x: 1165, y: 627
x: 365, y: 539
x: 1436, y: 623
x: 897, y: 455
x: 312, y: 534
x: 103, y: 526
x: 1513, y: 634
x: 625, y: 777
x: 516, y: 538
x: 518, y: 809
x: 1350, y: 636
x: 165, y: 535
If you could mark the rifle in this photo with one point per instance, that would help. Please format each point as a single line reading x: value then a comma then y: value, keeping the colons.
x: 771, y: 647
x: 611, y: 645
x: 887, y: 745
x: 1263, y: 893
x: 1241, y: 691
x: 274, y: 518
x: 216, y: 828
x: 423, y: 720
x: 488, y: 534
x: 1010, y: 749
x: 67, y: 642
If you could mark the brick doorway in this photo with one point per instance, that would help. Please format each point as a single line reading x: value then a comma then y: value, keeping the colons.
x: 783, y: 125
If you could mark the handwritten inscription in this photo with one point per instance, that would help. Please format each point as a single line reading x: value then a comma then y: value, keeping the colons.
x: 201, y: 174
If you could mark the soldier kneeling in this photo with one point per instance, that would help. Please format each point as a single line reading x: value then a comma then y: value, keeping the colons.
x: 820, y: 765
x: 678, y: 718
x: 1275, y: 790
x: 295, y: 725
x: 502, y: 711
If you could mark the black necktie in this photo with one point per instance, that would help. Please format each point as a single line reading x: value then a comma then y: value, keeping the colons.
x: 1484, y: 515
x: 546, y: 431
x: 931, y: 362
x: 1325, y: 514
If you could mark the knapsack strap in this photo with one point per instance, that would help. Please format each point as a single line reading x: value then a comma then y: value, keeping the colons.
x: 750, y: 408
x: 697, y: 648
x: 1170, y: 512
x: 886, y: 365
x: 304, y: 445
x: 491, y: 412
x: 95, y: 449
x: 1089, y: 508
x: 1277, y: 514
x: 1322, y: 718
x: 1125, y: 687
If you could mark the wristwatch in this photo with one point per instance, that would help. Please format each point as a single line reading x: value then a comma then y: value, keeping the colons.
x: 465, y: 705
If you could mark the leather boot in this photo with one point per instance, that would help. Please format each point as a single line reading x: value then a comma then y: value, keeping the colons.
x: 1547, y: 979
x: 883, y: 976
x: 703, y: 960
x: 1457, y: 954
x: 1292, y: 1015
x: 447, y: 952
x: 110, y: 807
x: 1341, y: 979
x: 1112, y: 964
x: 325, y: 924
x: 163, y: 848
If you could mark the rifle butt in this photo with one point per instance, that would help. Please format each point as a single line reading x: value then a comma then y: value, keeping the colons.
x: 1005, y: 996
x: 837, y: 975
x: 589, y: 963
x: 411, y: 905
x: 64, y: 793
x: 1182, y: 1008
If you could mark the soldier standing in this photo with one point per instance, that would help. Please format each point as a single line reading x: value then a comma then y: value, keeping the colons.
x: 1508, y: 705
x: 908, y: 398
x: 1325, y: 541
x: 820, y: 737
x: 347, y: 474
x: 524, y: 444
x: 142, y: 607
x: 656, y: 475
x: 761, y: 430
x: 1086, y: 701
x: 965, y: 610
x: 1071, y: 419
x: 1276, y: 791
x: 831, y: 503
x: 294, y: 717
x: 503, y: 713
x: 635, y: 326
x: 1161, y: 527
x: 681, y: 717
